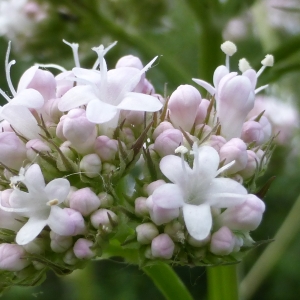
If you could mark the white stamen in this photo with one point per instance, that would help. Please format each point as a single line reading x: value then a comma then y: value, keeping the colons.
x: 244, y: 65
x: 226, y: 167
x: 268, y: 61
x: 4, y: 95
x: 74, y: 47
x: 261, y: 88
x: 104, y: 52
x: 7, y: 70
x: 58, y: 67
x: 52, y: 202
x: 181, y: 149
x: 229, y: 48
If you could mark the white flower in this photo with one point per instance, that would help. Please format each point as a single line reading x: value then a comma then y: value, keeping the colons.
x: 107, y: 92
x: 197, y: 189
x: 39, y: 204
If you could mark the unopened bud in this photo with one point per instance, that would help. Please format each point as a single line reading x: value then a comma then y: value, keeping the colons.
x: 162, y: 246
x: 146, y: 232
x: 222, y: 241
x: 82, y: 249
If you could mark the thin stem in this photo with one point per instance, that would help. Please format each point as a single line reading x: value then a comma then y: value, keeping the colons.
x: 222, y: 283
x: 168, y: 282
x: 272, y: 253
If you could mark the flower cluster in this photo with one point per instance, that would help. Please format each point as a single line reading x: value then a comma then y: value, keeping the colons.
x: 93, y: 162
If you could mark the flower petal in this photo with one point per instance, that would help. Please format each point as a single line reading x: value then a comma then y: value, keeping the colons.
x: 76, y: 96
x: 198, y: 220
x: 205, y: 85
x: 140, y: 102
x: 30, y: 230
x: 58, y: 189
x: 168, y: 196
x: 34, y: 178
x: 93, y: 76
x: 100, y: 112
x: 30, y: 98
x: 26, y: 78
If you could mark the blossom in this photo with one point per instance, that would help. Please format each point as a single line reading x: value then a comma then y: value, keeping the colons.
x: 39, y: 205
x: 107, y: 92
x: 197, y: 189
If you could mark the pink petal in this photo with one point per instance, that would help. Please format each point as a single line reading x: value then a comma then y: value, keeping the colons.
x: 26, y: 78
x: 168, y: 196
x: 198, y: 220
x: 205, y: 85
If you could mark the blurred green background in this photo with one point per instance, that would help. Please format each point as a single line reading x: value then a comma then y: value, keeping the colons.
x: 187, y: 36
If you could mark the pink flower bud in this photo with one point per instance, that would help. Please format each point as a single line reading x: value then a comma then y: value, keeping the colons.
x: 252, y: 164
x: 60, y: 243
x: 66, y: 149
x: 246, y: 216
x: 132, y: 117
x: 222, y: 241
x: 161, y: 128
x: 91, y: 165
x: 183, y: 105
x: 128, y: 136
x: 106, y: 200
x: 140, y: 207
x: 235, y: 150
x: 266, y: 126
x: 162, y: 246
x: 40, y: 80
x: 106, y: 148
x: 129, y: 61
x: 161, y: 215
x: 217, y: 142
x: 151, y: 187
x: 85, y: 201
x: 82, y: 249
x: 37, y: 145
x: 168, y: 141
x: 12, y: 257
x: 5, y: 126
x: 79, y: 131
x: 146, y: 232
x: 253, y: 132
x: 13, y: 151
x: 108, y: 168
x: 148, y: 88
x: 202, y: 111
x: 100, y: 218
x: 63, y: 84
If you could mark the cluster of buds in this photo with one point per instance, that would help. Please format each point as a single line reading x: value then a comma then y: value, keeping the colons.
x: 93, y: 161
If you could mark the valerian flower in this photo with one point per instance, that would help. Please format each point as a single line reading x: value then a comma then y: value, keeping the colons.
x: 197, y: 189
x: 39, y: 205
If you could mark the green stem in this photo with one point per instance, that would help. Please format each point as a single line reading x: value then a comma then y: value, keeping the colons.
x: 272, y: 253
x: 167, y: 281
x: 222, y: 283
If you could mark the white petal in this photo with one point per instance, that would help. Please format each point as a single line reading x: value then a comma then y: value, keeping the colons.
x: 30, y: 230
x: 58, y: 189
x: 76, y: 96
x: 87, y: 75
x: 140, y: 102
x: 198, y: 220
x: 22, y: 120
x: 168, y: 196
x: 34, y: 177
x: 205, y: 85
x: 59, y: 221
x: 29, y: 98
x: 99, y: 112
x: 173, y: 168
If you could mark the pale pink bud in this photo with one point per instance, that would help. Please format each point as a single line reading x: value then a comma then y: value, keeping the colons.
x: 106, y: 148
x: 161, y: 215
x: 37, y: 145
x: 60, y: 243
x: 91, y: 165
x: 129, y: 61
x: 251, y: 166
x: 175, y: 230
x: 234, y: 100
x: 222, y: 241
x: 238, y: 243
x: 161, y: 128
x: 82, y: 249
x: 66, y: 149
x: 13, y: 150
x: 63, y: 84
x: 5, y: 126
x: 202, y: 111
x: 146, y: 232
x: 234, y: 150
x: 79, y: 130
x: 217, y: 142
x: 168, y: 141
x: 151, y: 187
x: 100, y: 218
x: 246, y: 216
x: 41, y: 80
x: 85, y: 201
x: 132, y: 117
x: 12, y: 257
x: 106, y: 200
x: 183, y: 105
x: 140, y: 207
x: 219, y: 73
x: 253, y: 132
x: 203, y: 129
x: 60, y: 127
x: 148, y: 88
x: 162, y: 246
x: 267, y: 127
x: 128, y: 136
x: 70, y: 258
